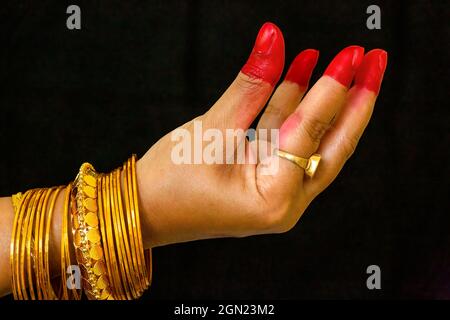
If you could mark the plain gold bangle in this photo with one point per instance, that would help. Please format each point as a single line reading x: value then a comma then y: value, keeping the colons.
x: 47, y: 277
x: 105, y: 238
x: 64, y: 242
x: 112, y: 246
x: 118, y: 238
x: 26, y: 268
x: 131, y: 223
x: 133, y: 280
x: 147, y: 255
x: 38, y: 234
x: 15, y: 243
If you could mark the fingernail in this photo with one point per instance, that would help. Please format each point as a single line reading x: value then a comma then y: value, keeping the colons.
x: 344, y: 65
x: 266, y: 61
x: 302, y: 67
x: 370, y: 72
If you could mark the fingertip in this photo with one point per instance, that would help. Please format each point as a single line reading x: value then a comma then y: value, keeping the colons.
x: 302, y: 67
x: 344, y: 65
x: 266, y: 60
x: 371, y: 71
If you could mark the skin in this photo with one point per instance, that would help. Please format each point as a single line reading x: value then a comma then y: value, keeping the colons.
x: 182, y: 203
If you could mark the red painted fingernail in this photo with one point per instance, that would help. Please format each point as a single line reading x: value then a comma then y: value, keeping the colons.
x: 344, y: 65
x: 370, y: 72
x: 266, y: 61
x: 302, y: 67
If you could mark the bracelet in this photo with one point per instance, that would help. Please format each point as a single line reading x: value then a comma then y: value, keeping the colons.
x: 42, y: 287
x: 86, y: 234
x: 30, y: 245
x: 65, y: 252
x: 145, y: 256
x: 101, y: 212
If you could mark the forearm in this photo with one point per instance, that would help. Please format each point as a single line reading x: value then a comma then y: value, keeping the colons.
x: 7, y: 217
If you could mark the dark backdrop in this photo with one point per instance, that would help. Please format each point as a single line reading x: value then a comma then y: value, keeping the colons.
x: 138, y: 69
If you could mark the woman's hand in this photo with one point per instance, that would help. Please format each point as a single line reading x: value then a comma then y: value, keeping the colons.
x: 184, y: 202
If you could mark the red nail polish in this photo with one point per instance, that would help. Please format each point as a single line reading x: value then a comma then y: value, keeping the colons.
x: 302, y: 67
x: 344, y: 65
x: 370, y: 72
x: 266, y: 61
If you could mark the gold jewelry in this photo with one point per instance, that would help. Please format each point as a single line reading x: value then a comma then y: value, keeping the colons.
x: 87, y: 237
x: 26, y: 248
x: 118, y: 239
x: 309, y: 165
x: 105, y: 224
x: 16, y: 238
x: 127, y: 263
x: 146, y: 255
x: 132, y: 231
x: 65, y: 252
x: 30, y: 245
x: 105, y: 228
x: 38, y: 247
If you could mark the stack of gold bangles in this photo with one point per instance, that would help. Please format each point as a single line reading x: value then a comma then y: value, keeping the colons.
x: 101, y: 218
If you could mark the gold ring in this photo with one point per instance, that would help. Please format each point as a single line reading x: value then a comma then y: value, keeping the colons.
x: 310, y: 165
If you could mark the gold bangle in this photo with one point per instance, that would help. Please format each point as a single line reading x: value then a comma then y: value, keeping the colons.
x: 15, y: 244
x: 38, y: 244
x: 64, y: 245
x: 130, y: 186
x: 131, y: 258
x: 118, y: 238
x: 27, y: 247
x: 120, y: 289
x: 87, y: 238
x: 131, y: 223
x: 147, y: 254
x: 65, y: 252
x: 47, y: 277
x: 106, y: 230
x: 105, y: 238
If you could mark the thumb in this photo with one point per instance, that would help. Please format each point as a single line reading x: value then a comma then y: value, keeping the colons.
x: 249, y: 92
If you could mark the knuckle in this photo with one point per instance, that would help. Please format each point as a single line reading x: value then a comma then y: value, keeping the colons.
x: 273, y: 109
x: 314, y: 128
x: 247, y: 83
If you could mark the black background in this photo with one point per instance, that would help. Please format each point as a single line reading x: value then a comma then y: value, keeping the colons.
x: 138, y: 69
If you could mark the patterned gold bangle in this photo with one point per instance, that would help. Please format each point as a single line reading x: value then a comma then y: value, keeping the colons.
x: 86, y: 235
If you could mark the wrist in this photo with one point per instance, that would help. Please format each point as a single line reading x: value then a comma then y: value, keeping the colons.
x: 147, y: 207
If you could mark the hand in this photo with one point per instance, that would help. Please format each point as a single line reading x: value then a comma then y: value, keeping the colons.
x: 184, y: 202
